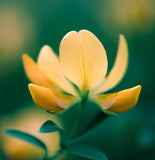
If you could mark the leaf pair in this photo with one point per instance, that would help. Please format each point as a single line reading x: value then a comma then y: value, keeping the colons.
x: 48, y: 126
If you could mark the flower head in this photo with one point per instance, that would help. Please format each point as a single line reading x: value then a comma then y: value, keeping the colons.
x: 80, y: 68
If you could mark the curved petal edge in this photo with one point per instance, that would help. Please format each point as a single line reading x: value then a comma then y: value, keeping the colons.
x: 120, y: 101
x: 119, y: 68
x: 34, y: 74
x: 44, y: 97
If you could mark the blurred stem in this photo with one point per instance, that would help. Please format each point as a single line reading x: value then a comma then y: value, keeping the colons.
x: 77, y: 121
x: 46, y: 156
x: 57, y: 154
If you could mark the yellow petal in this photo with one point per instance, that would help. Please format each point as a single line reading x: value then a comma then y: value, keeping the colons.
x: 34, y: 74
x: 119, y: 68
x: 106, y: 100
x: 64, y: 100
x: 47, y: 61
x: 49, y: 64
x: 120, y: 101
x: 83, y: 59
x: 44, y: 97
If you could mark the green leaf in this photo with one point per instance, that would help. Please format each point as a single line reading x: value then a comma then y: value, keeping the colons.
x: 27, y: 137
x: 87, y: 152
x: 50, y: 126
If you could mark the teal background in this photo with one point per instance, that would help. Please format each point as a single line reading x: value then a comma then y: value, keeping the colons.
x: 132, y: 134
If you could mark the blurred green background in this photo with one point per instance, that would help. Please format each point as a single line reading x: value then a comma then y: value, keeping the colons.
x: 25, y: 26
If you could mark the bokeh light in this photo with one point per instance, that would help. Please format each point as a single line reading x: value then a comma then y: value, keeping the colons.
x: 130, y: 17
x: 17, y: 32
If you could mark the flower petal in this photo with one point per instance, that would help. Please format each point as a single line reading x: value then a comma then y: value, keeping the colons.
x: 120, y: 101
x: 44, y: 97
x: 64, y: 100
x: 119, y: 68
x: 83, y: 59
x: 49, y: 64
x: 47, y: 61
x: 34, y: 74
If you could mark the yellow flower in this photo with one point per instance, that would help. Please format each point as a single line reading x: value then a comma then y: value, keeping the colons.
x: 83, y: 62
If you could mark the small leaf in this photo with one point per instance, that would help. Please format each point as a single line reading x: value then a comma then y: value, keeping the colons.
x: 87, y: 152
x: 26, y: 137
x: 50, y: 126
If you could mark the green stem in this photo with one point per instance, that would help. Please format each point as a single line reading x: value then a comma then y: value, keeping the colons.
x: 57, y: 154
x: 64, y: 143
x: 83, y: 101
x: 77, y: 121
x: 46, y: 156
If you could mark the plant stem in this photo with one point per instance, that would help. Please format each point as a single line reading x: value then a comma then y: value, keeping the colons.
x: 83, y: 102
x: 57, y: 154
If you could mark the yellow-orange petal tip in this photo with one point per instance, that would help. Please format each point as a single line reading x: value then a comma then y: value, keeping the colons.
x: 126, y: 99
x: 25, y: 57
x: 44, y: 97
